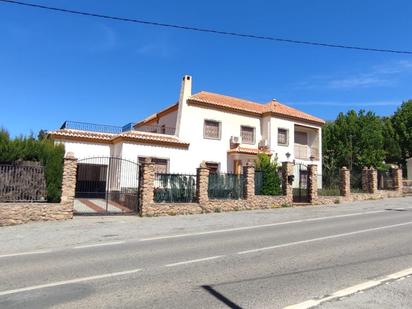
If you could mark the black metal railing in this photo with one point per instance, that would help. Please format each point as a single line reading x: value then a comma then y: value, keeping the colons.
x: 22, y: 183
x: 85, y: 126
x: 330, y: 182
x: 385, y: 181
x: 225, y: 186
x: 356, y: 181
x: 174, y: 188
x: 157, y: 129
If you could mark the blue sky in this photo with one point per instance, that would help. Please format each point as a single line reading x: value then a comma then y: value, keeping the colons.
x: 56, y: 67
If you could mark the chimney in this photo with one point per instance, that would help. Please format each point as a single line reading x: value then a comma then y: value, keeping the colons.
x: 185, y: 93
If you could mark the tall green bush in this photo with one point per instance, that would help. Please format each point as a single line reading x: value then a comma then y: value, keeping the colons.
x: 42, y: 150
x: 271, y: 181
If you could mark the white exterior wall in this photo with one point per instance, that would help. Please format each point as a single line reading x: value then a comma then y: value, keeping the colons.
x: 211, y: 150
x: 168, y: 120
x: 281, y: 150
x: 82, y: 150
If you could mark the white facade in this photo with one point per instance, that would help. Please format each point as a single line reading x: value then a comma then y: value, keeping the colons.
x: 188, y: 119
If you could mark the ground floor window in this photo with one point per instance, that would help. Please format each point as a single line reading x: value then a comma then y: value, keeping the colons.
x: 161, y: 165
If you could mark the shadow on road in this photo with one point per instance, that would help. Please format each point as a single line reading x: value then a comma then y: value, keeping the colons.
x: 221, y: 297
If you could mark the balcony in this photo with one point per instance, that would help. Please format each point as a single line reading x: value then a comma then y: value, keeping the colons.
x: 102, y: 128
x: 305, y: 152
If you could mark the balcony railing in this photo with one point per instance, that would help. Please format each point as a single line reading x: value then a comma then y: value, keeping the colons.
x: 157, y: 129
x: 102, y: 128
x: 305, y: 152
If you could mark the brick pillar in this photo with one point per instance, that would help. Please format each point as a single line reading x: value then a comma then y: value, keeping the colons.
x: 372, y: 180
x: 313, y: 183
x: 344, y: 182
x: 202, y: 184
x: 365, y: 179
x: 249, y: 178
x: 146, y: 195
x: 396, y: 174
x: 287, y: 170
x: 69, y: 181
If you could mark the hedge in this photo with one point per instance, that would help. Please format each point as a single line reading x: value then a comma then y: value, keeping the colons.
x: 42, y: 150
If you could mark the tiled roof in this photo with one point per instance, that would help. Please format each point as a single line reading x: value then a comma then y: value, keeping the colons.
x: 157, y: 115
x: 246, y: 150
x: 108, y: 137
x: 241, y: 105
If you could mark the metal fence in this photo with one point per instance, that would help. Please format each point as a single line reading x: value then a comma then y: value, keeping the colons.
x: 385, y: 181
x: 22, y: 183
x: 330, y: 182
x: 356, y: 181
x: 175, y: 188
x: 262, y: 183
x: 225, y: 186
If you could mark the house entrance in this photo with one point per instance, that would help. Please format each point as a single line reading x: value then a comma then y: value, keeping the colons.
x: 300, y: 186
x: 107, y: 185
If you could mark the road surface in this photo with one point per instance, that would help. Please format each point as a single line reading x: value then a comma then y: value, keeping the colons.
x: 263, y: 259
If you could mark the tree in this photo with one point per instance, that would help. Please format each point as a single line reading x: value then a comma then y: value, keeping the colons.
x: 402, y: 124
x: 271, y: 182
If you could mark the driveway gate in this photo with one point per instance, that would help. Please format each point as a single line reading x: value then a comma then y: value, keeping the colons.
x: 107, y: 185
x: 300, y: 184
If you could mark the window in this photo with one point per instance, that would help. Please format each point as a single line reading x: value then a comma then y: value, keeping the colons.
x: 283, y: 138
x: 247, y: 134
x: 161, y: 165
x: 211, y: 129
x: 213, y: 167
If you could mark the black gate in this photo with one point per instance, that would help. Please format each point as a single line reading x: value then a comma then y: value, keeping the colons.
x: 300, y: 184
x: 107, y: 185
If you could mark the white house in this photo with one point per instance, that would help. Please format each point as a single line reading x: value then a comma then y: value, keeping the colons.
x: 223, y: 131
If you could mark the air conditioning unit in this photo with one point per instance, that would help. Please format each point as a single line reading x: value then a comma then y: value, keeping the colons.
x: 263, y: 143
x: 235, y: 140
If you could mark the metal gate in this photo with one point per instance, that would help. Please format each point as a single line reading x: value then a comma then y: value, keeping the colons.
x: 300, y: 184
x: 107, y: 185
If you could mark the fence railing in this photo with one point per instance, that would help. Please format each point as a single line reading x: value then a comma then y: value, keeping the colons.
x: 157, y: 129
x: 225, y: 186
x: 385, y: 181
x: 330, y: 181
x: 174, y: 188
x: 356, y: 181
x: 22, y: 183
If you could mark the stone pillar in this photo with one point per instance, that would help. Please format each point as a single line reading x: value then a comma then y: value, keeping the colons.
x: 202, y: 184
x: 69, y: 181
x: 365, y: 179
x: 344, y: 182
x: 287, y: 170
x: 147, y: 175
x: 312, y: 183
x: 396, y: 174
x: 372, y: 180
x: 249, y: 178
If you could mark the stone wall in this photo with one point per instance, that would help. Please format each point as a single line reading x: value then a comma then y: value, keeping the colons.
x: 19, y: 213
x: 379, y: 194
x: 206, y: 205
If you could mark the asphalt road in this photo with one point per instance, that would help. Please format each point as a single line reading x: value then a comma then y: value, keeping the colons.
x: 239, y: 265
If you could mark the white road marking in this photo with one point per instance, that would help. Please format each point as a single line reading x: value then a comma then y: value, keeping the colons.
x: 100, y: 244
x: 25, y: 253
x: 352, y: 290
x: 72, y: 281
x: 195, y: 261
x: 261, y: 226
x: 324, y: 238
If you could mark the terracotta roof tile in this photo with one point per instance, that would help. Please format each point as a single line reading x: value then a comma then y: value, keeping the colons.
x: 233, y: 103
x: 133, y: 135
x: 246, y: 150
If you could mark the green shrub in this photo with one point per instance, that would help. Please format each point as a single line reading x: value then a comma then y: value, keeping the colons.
x: 42, y: 150
x: 271, y: 184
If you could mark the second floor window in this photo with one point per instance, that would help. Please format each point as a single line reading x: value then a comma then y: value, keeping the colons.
x: 211, y: 129
x: 283, y: 137
x: 247, y: 134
